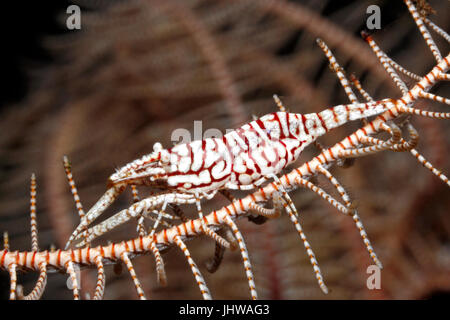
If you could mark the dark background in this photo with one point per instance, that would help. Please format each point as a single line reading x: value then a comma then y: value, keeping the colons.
x: 23, y: 25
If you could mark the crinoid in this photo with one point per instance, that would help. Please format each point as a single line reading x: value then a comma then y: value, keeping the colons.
x: 255, y: 158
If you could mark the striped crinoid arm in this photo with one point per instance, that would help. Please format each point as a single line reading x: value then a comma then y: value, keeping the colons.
x: 174, y: 236
x: 43, y: 266
x: 350, y: 145
x: 74, y: 191
x: 404, y: 105
x: 125, y: 250
x: 33, y: 222
x: 423, y: 30
x: 65, y: 260
x: 16, y: 291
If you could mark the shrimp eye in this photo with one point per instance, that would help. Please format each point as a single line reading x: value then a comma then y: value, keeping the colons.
x: 157, y: 147
x: 165, y: 157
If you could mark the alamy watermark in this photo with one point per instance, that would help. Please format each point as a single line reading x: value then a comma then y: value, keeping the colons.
x: 182, y: 135
x: 230, y: 147
x: 73, y: 21
x: 374, y: 20
x: 374, y: 278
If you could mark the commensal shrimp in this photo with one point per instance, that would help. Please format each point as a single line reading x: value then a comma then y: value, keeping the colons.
x: 243, y: 159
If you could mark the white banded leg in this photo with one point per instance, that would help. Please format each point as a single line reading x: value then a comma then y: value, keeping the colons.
x: 430, y: 96
x: 158, y: 219
x: 402, y: 145
x: 41, y: 282
x: 5, y: 241
x: 427, y: 114
x: 34, y: 231
x: 160, y: 270
x: 279, y: 103
x: 424, y: 162
x: 195, y: 271
x: 308, y: 184
x: 231, y: 239
x: 73, y: 277
x: 100, y: 287
x: 382, y: 57
x: 207, y: 230
x: 293, y: 214
x: 437, y: 29
x: 13, y: 281
x: 423, y: 30
x: 124, y: 257
x: 272, y: 213
x: 385, y: 145
x: 245, y: 256
x: 338, y: 70
x: 353, y: 213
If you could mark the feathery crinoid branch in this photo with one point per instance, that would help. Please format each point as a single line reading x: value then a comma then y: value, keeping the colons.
x: 270, y: 189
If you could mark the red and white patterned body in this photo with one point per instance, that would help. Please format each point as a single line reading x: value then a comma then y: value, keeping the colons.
x: 243, y: 158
